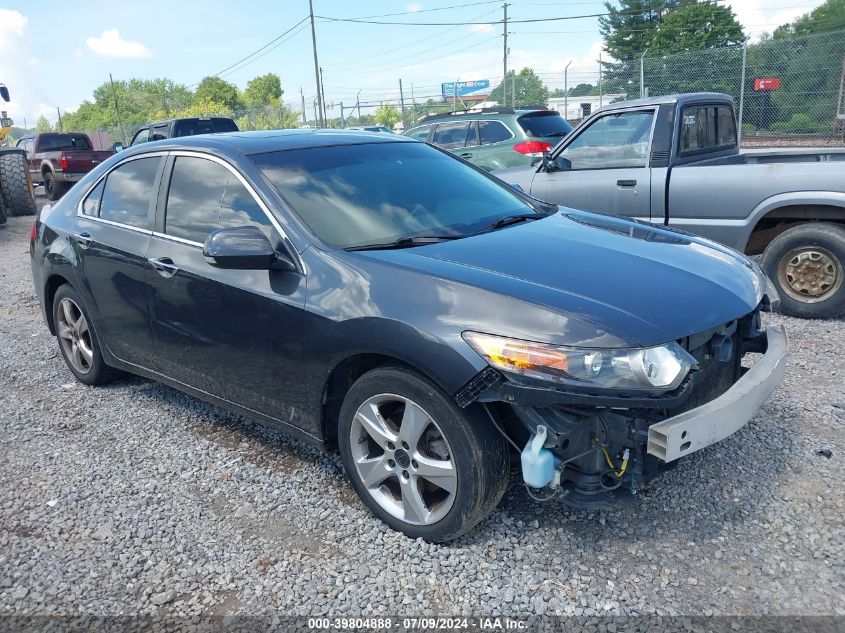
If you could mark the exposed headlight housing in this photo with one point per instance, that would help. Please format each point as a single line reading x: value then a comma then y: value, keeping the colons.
x: 660, y: 368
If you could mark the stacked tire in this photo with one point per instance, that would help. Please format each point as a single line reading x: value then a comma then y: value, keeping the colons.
x: 17, y: 197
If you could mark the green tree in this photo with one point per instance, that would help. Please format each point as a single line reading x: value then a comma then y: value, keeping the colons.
x: 202, y: 106
x: 583, y: 90
x: 216, y: 90
x: 388, y: 116
x: 829, y: 16
x: 265, y: 90
x: 696, y: 26
x: 628, y: 29
x: 524, y: 89
x: 43, y: 125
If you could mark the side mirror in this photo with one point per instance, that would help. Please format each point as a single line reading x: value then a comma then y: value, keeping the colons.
x: 4, y: 93
x: 117, y: 147
x: 244, y: 248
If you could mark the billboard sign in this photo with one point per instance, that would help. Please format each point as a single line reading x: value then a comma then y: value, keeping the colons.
x: 765, y: 84
x: 464, y: 88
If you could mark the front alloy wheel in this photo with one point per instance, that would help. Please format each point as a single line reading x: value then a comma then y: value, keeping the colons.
x: 403, y: 459
x: 419, y: 463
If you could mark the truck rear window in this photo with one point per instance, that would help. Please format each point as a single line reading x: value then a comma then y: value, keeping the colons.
x: 63, y: 142
x: 706, y: 128
x: 544, y: 124
x: 192, y: 127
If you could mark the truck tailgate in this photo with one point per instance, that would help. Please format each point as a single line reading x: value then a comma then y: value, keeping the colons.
x: 84, y: 161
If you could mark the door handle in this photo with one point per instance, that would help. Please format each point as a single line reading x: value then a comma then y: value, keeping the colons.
x: 626, y: 183
x: 164, y: 266
x: 465, y: 155
x: 84, y: 239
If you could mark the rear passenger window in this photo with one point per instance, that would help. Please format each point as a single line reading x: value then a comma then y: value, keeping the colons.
x: 91, y: 204
x: 128, y: 192
x: 420, y: 134
x: 493, y: 132
x: 451, y: 135
x: 706, y: 128
x: 205, y: 196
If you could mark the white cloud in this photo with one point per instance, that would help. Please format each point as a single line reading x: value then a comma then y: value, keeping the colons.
x: 111, y: 44
x: 12, y: 22
x: 756, y: 18
x: 413, y: 7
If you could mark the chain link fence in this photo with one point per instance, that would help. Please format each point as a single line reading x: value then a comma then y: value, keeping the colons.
x: 787, y: 92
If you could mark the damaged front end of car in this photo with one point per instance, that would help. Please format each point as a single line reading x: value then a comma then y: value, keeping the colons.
x: 593, y: 426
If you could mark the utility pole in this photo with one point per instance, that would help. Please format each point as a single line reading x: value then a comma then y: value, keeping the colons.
x: 316, y: 63
x: 342, y: 120
x: 60, y: 119
x: 323, y: 96
x: 642, y: 74
x: 316, y: 115
x: 117, y: 109
x: 742, y: 92
x: 402, y: 102
x: 601, y: 97
x: 566, y: 90
x: 304, y: 117
x: 358, y: 103
x: 505, y: 58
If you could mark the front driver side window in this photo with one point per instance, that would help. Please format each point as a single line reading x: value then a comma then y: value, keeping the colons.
x: 614, y: 140
x: 205, y: 196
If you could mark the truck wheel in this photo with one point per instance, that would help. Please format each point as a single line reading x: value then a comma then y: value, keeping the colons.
x: 15, y: 183
x: 52, y: 187
x: 807, y: 266
x: 418, y: 462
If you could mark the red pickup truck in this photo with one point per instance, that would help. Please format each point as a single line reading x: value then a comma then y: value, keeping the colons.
x: 58, y: 160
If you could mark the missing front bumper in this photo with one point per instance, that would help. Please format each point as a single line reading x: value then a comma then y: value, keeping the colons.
x: 705, y: 425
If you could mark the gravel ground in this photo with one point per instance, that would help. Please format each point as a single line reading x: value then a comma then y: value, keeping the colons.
x: 136, y: 499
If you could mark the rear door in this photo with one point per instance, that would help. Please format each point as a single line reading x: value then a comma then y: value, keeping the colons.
x: 236, y: 334
x: 451, y: 136
x: 113, y: 228
x: 604, y: 167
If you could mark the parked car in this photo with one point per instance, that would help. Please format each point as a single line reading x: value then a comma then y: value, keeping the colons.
x: 493, y: 138
x: 375, y: 294
x: 58, y: 160
x: 371, y: 128
x: 675, y: 160
x: 191, y: 126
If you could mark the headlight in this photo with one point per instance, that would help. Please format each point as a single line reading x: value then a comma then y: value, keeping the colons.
x: 660, y: 368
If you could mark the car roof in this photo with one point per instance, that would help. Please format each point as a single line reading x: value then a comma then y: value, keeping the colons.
x: 268, y: 141
x: 497, y: 113
x: 669, y: 99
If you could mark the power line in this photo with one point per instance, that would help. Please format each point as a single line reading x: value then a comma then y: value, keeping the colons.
x: 255, y: 52
x: 454, y: 6
x: 299, y: 30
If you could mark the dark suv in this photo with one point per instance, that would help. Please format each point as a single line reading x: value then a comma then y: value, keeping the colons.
x: 173, y: 128
x: 493, y: 138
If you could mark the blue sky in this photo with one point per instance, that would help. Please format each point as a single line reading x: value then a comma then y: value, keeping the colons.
x: 55, y: 53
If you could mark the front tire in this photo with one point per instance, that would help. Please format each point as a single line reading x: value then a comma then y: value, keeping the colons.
x: 78, y: 339
x: 807, y: 266
x: 418, y: 462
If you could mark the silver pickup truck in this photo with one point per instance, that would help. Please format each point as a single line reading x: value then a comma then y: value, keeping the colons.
x: 675, y: 160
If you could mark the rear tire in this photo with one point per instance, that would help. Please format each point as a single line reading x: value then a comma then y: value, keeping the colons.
x: 78, y: 340
x: 418, y: 462
x: 15, y: 184
x: 807, y: 266
x: 52, y: 188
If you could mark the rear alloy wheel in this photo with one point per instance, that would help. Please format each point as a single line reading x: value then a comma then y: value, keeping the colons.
x: 807, y: 265
x: 419, y: 463
x: 78, y: 340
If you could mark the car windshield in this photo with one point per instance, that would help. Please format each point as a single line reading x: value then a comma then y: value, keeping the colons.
x: 542, y: 123
x: 63, y: 142
x: 355, y: 195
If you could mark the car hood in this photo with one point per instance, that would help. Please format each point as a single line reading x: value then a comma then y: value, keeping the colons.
x: 642, y: 284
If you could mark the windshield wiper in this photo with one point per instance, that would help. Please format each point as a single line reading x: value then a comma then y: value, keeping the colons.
x: 512, y: 219
x: 405, y: 242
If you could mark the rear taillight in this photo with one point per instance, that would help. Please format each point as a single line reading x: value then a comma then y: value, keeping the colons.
x: 63, y: 161
x: 532, y: 148
x: 33, y: 233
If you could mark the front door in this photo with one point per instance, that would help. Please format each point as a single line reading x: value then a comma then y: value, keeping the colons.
x: 112, y: 235
x: 604, y: 168
x: 235, y: 334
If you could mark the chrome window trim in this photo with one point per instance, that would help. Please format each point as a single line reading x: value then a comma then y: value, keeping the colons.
x: 94, y: 185
x: 191, y: 154
x: 251, y: 190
